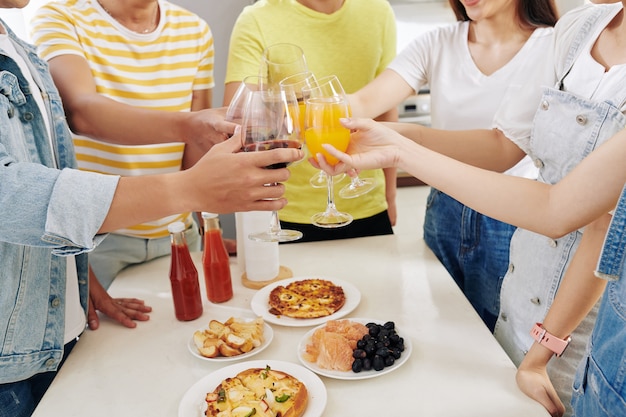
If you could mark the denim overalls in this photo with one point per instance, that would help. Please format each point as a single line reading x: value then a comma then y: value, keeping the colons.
x: 600, y: 383
x: 566, y: 129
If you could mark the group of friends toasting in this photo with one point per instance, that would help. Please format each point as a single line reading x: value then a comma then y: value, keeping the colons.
x: 524, y: 155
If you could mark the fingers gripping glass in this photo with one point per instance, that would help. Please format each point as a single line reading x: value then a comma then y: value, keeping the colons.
x: 270, y: 122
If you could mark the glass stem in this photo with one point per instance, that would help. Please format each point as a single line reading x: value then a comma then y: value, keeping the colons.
x: 330, y: 205
x: 274, y: 223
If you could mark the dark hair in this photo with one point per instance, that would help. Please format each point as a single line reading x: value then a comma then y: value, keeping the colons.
x: 532, y: 13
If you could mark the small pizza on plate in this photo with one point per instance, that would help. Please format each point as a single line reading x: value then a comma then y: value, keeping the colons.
x: 306, y: 299
x: 259, y: 392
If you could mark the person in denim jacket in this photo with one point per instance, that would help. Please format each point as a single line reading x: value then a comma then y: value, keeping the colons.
x: 53, y: 215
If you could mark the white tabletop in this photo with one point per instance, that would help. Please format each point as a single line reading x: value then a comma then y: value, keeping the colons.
x: 456, y: 367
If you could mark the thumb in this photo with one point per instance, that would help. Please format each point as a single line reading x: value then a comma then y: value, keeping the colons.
x: 230, y: 145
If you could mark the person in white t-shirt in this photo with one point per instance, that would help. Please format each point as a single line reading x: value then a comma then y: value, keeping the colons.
x: 471, y: 68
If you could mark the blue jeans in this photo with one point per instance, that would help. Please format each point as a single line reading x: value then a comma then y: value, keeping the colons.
x: 472, y: 247
x: 19, y: 399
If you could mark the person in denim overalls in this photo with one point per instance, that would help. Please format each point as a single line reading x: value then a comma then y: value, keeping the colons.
x: 567, y: 128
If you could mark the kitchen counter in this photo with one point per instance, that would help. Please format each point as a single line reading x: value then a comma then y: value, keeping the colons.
x: 456, y: 367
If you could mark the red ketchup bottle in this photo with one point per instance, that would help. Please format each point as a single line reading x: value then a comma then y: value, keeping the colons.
x: 183, y: 276
x: 215, y: 261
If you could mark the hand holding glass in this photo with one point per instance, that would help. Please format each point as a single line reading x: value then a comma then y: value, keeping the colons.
x: 270, y: 122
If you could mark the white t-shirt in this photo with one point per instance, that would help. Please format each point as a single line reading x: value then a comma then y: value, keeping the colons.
x: 75, y: 320
x: 462, y: 97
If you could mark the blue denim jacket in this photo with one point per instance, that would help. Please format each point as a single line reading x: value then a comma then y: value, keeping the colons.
x: 45, y: 213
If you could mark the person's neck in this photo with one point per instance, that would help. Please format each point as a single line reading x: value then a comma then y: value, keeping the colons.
x: 322, y: 6
x: 141, y: 16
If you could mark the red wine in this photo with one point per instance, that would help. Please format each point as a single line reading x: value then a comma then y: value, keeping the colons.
x: 273, y: 144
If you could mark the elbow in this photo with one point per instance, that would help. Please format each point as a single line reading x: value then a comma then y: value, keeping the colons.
x: 78, y: 123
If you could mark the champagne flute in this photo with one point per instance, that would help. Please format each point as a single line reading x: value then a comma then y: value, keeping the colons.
x: 235, y: 110
x: 325, y: 105
x: 280, y: 61
x: 270, y: 122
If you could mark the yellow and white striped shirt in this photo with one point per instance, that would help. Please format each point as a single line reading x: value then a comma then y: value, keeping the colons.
x: 158, y: 70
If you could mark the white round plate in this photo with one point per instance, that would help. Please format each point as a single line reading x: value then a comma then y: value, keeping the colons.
x: 268, y: 335
x: 193, y: 403
x: 260, y: 303
x: 349, y: 374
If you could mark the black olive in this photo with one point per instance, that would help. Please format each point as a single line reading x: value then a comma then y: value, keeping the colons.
x: 359, y: 354
x: 378, y: 363
x: 357, y: 366
x: 389, y: 360
x: 383, y: 352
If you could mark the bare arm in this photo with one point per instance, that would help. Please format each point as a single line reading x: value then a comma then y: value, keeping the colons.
x: 577, y: 294
x: 593, y: 187
x: 92, y: 114
x: 223, y: 181
x: 381, y: 94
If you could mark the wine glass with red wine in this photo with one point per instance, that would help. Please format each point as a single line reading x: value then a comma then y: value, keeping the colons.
x: 270, y: 121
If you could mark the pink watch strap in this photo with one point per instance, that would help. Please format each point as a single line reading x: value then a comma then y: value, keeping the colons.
x: 547, y: 339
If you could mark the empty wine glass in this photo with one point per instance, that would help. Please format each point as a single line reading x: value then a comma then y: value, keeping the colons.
x: 326, y: 103
x: 281, y: 60
x: 235, y: 110
x: 270, y: 122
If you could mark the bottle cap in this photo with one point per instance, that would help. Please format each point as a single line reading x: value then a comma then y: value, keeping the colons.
x: 207, y: 215
x: 176, y: 227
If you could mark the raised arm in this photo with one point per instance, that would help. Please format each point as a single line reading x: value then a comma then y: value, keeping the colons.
x: 223, y: 181
x: 592, y: 188
x: 92, y: 114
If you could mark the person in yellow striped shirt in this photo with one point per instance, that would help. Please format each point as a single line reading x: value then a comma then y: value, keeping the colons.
x: 136, y: 79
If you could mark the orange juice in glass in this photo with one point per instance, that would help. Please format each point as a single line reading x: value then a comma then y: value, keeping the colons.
x: 324, y: 127
x: 326, y: 104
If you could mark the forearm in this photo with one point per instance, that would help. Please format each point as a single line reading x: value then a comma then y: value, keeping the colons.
x: 108, y: 120
x: 488, y: 149
x: 140, y: 199
x: 532, y: 205
x: 578, y: 292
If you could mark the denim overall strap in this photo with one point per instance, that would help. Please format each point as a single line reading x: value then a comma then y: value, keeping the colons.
x: 584, y: 33
x: 611, y: 263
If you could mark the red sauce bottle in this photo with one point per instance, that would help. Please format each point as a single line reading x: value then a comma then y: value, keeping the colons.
x: 183, y: 276
x: 215, y: 261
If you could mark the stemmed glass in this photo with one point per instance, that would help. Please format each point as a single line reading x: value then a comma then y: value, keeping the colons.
x: 235, y: 110
x: 281, y: 60
x: 269, y: 122
x: 325, y: 105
